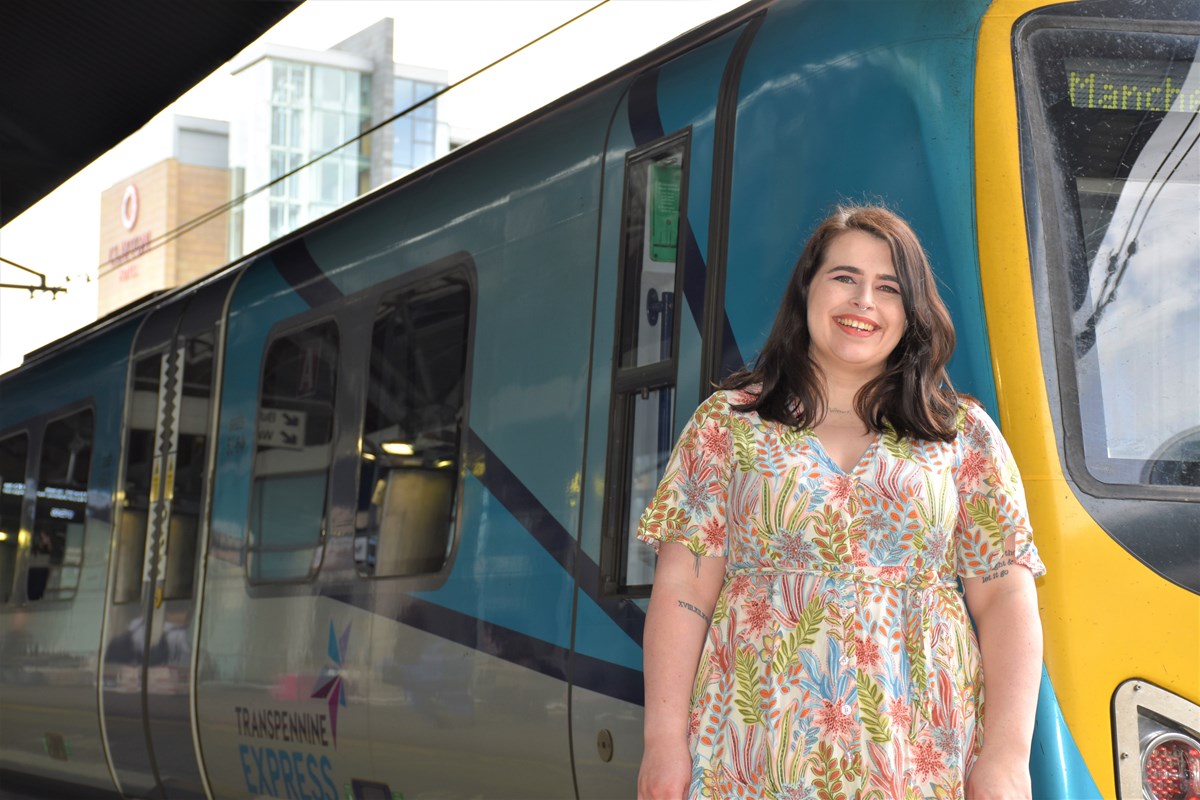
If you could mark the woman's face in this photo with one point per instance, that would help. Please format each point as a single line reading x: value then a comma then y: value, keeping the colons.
x: 855, y: 311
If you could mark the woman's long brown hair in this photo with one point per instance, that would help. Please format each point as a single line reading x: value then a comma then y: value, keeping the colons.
x: 913, y: 394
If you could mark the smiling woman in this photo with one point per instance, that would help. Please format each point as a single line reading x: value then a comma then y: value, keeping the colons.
x: 865, y: 267
x: 855, y: 308
x: 831, y: 536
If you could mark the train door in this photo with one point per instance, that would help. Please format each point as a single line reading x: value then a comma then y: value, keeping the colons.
x: 657, y: 349
x: 150, y: 621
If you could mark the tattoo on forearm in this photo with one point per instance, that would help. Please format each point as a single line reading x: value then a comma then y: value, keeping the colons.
x: 1001, y: 569
x: 693, y: 609
x: 696, y: 564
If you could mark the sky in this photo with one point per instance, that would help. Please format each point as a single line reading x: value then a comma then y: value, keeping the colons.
x: 60, y: 236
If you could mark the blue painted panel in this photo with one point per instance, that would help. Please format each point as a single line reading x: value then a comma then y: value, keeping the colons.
x: 96, y: 367
x: 500, y: 573
x: 870, y: 106
x: 596, y: 635
x: 261, y: 299
x: 1055, y: 763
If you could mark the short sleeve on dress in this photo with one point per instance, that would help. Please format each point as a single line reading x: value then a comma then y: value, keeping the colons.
x: 690, y: 503
x: 993, y: 521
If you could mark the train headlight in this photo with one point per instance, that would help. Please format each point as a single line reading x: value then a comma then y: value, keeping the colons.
x: 1157, y: 742
x: 1171, y: 768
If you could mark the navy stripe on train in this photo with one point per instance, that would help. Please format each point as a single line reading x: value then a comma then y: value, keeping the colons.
x: 503, y: 484
x: 645, y: 124
x: 602, y: 677
x: 644, y: 121
x: 297, y: 266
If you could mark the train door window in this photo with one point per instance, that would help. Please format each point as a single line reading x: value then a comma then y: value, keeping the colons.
x: 186, y: 466
x: 14, y: 451
x: 412, y: 428
x: 56, y: 549
x: 1121, y: 109
x: 293, y: 456
x: 641, y: 426
x: 134, y: 519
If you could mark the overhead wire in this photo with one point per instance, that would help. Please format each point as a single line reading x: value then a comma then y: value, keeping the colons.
x: 154, y: 243
x: 1128, y: 245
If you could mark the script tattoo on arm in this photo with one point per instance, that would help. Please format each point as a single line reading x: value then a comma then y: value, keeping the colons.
x: 1001, y: 569
x: 693, y: 609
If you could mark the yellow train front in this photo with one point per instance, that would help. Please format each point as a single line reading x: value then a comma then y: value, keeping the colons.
x: 1088, y: 206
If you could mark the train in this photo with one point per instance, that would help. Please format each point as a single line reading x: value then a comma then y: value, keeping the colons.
x: 352, y: 517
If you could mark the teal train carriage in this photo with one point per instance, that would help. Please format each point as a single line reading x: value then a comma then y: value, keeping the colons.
x: 352, y: 517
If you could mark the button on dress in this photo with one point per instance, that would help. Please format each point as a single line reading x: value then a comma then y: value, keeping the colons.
x: 840, y: 659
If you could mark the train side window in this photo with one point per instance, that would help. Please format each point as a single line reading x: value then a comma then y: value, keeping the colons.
x: 60, y: 517
x: 293, y: 456
x: 412, y: 428
x: 134, y: 519
x: 14, y: 453
x: 641, y: 424
x: 188, y: 464
x: 1120, y: 110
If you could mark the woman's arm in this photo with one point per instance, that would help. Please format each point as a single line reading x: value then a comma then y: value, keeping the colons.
x: 1004, y: 606
x: 685, y: 592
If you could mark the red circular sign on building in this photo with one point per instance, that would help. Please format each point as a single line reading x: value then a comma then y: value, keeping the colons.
x: 129, y: 207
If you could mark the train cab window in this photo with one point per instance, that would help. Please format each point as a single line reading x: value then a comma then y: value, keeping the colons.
x: 293, y: 455
x: 641, y: 424
x: 56, y: 548
x: 1121, y: 116
x: 412, y: 429
x: 187, y: 465
x: 134, y: 517
x: 14, y: 451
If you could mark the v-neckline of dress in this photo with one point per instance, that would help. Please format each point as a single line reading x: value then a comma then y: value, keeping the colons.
x: 863, y: 458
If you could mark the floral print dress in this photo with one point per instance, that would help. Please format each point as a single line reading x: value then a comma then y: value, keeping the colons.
x: 840, y: 661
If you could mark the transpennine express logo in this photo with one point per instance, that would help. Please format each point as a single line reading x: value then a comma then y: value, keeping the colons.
x: 330, y: 684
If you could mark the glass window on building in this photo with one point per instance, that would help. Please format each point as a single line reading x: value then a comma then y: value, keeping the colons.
x: 315, y: 111
x: 415, y: 136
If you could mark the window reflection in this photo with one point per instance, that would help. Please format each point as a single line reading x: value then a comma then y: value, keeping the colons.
x: 1130, y: 170
x: 56, y: 550
x: 412, y: 431
x: 13, y: 453
x: 651, y: 449
x: 294, y: 451
x: 134, y: 517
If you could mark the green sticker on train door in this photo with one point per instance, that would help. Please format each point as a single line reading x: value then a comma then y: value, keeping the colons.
x: 665, y: 178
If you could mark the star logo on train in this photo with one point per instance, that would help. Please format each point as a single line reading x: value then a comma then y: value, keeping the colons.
x: 330, y: 684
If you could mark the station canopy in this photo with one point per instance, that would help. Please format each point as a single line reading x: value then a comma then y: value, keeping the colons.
x: 76, y: 78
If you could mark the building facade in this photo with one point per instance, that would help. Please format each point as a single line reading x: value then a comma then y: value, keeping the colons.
x: 303, y: 107
x: 292, y: 151
x: 142, y: 247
